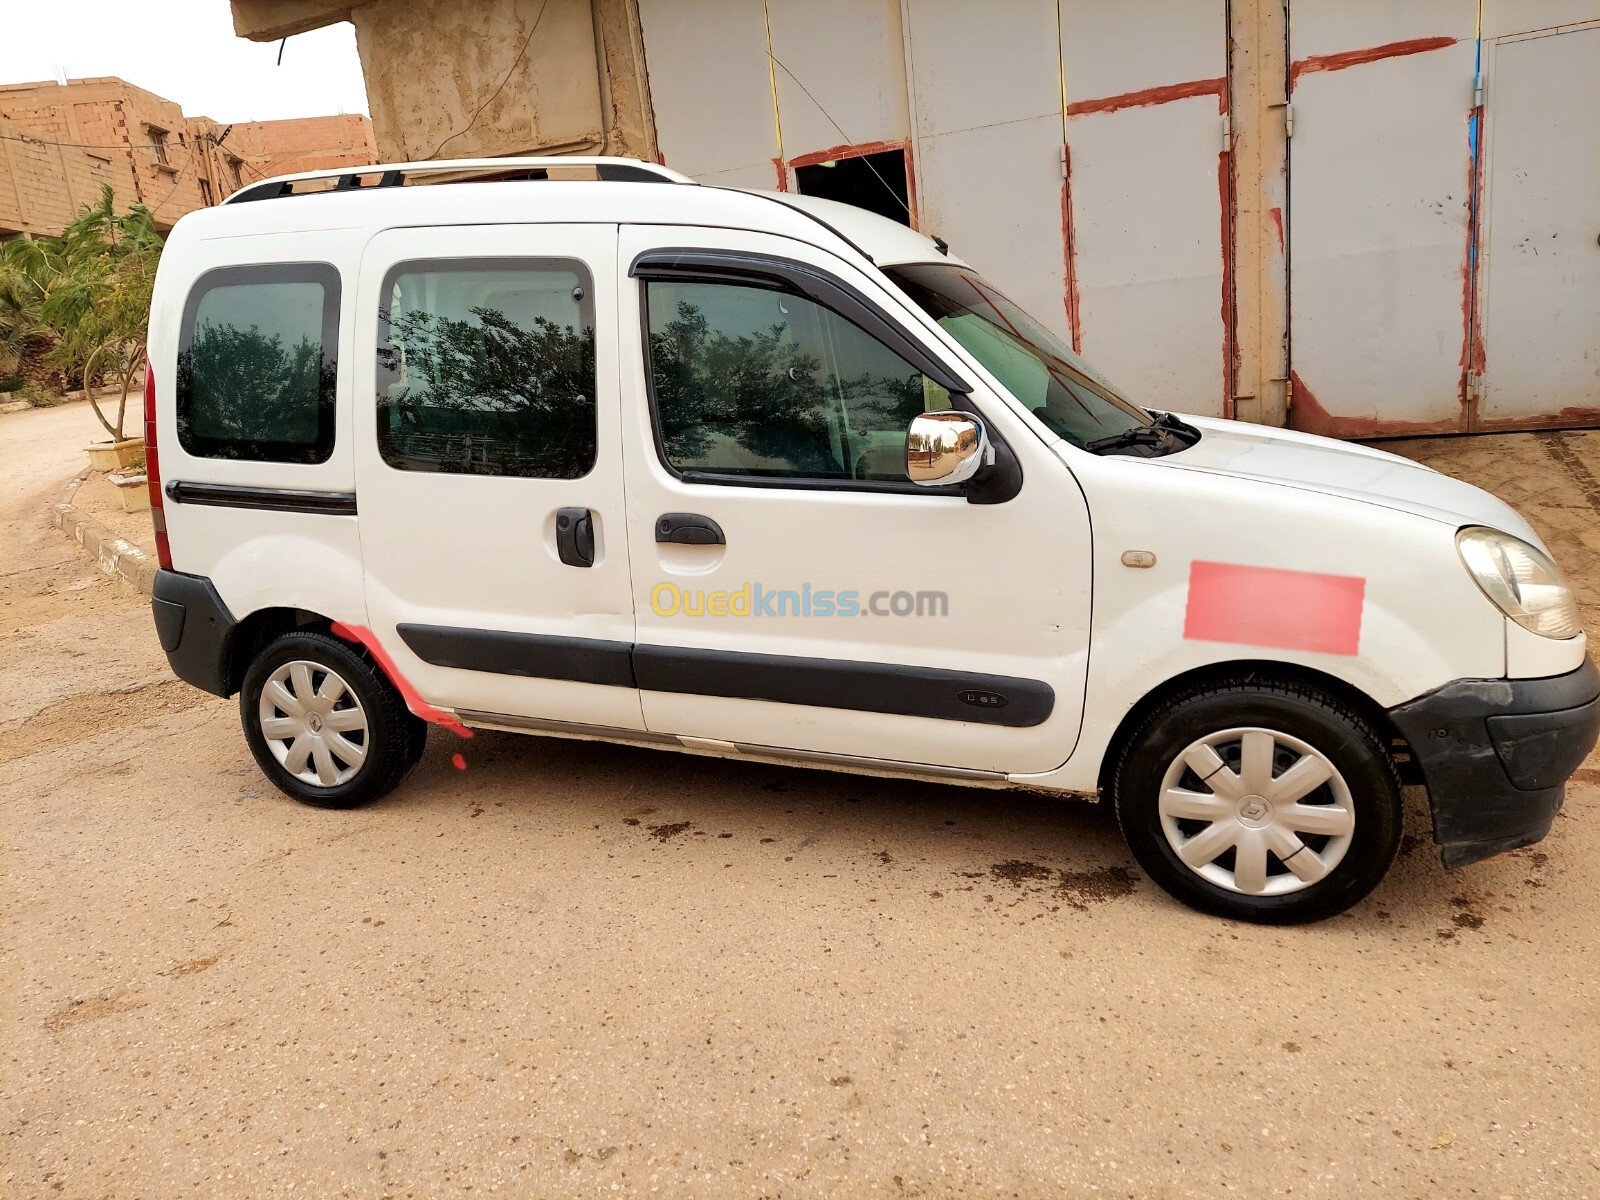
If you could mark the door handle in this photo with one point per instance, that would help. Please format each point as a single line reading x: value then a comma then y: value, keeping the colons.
x: 575, y: 536
x: 689, y: 529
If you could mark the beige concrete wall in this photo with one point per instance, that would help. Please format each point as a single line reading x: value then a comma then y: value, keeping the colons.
x: 493, y: 78
x: 467, y: 81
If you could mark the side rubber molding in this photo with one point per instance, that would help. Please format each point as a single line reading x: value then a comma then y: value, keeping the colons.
x: 911, y: 691
x: 1496, y: 755
x: 530, y: 655
x: 195, y: 628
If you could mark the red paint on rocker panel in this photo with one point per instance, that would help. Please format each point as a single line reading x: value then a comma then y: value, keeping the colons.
x: 1270, y: 607
x: 1144, y: 97
x: 1354, y: 58
x: 1069, y: 253
x: 363, y: 636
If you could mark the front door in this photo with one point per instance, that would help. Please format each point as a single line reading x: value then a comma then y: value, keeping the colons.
x: 489, y: 470
x: 793, y: 589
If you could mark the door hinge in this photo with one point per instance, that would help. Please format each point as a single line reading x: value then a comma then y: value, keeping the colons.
x: 1063, y: 160
x: 1288, y: 117
x: 1288, y: 390
x: 1227, y: 132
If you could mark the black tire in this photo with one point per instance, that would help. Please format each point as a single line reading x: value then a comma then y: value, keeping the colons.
x: 392, y: 740
x: 1341, y: 736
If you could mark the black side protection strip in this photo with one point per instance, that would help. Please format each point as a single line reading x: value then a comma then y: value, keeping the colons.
x: 531, y: 655
x: 783, y: 679
x: 227, y: 495
x: 859, y: 686
x: 726, y: 266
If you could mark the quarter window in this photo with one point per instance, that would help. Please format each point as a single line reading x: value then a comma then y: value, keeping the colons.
x: 257, y: 363
x: 488, y: 368
x: 750, y: 381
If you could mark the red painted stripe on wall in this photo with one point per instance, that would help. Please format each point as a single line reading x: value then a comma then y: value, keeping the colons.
x: 1164, y: 94
x: 1271, y: 607
x: 1355, y: 58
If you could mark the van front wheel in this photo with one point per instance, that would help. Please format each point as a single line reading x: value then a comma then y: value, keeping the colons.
x: 324, y: 724
x: 1264, y: 802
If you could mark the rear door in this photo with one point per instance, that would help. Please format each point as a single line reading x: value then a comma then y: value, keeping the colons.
x: 489, y: 471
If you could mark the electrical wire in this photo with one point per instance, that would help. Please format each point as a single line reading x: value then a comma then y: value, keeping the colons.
x: 515, y: 63
x: 837, y: 128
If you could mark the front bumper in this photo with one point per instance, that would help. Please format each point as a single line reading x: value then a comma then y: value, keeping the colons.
x: 1496, y: 755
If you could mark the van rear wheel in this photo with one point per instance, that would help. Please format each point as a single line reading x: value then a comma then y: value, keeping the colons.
x: 1272, y: 803
x: 324, y: 723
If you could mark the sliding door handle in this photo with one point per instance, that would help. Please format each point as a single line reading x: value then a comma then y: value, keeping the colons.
x: 575, y: 536
x: 689, y: 529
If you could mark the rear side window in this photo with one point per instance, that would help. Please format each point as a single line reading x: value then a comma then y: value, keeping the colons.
x: 753, y: 382
x: 487, y: 368
x: 258, y: 363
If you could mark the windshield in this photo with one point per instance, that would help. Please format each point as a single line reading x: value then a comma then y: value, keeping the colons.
x: 1062, y: 390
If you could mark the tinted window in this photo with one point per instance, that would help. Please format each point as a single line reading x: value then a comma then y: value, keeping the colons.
x: 750, y: 381
x: 257, y: 363
x: 487, y: 368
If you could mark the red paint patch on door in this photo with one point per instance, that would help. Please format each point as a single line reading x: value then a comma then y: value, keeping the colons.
x: 1271, y: 607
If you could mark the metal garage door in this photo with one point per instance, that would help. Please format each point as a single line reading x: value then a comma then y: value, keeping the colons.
x: 1540, y: 260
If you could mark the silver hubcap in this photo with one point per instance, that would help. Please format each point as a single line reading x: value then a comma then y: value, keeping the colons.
x: 1256, y: 811
x: 313, y: 723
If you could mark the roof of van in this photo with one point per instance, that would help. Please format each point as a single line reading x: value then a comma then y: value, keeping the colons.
x: 671, y: 199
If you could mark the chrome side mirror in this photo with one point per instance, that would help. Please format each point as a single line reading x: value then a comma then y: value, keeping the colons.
x: 946, y: 447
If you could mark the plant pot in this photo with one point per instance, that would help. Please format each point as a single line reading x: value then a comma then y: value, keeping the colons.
x: 113, y: 456
x: 132, y: 490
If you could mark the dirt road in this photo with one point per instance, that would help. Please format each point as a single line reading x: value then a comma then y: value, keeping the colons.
x: 578, y: 970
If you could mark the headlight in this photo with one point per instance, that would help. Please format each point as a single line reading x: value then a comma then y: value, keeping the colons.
x: 1521, y: 580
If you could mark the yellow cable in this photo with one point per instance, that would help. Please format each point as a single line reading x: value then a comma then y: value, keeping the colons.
x: 772, y: 79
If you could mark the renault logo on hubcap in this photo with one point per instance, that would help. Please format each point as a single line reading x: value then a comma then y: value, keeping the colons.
x: 1254, y: 811
x: 314, y: 723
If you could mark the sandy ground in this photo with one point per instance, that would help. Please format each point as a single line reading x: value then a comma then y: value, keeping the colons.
x: 574, y: 970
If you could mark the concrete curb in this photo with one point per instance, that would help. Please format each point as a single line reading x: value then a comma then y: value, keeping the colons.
x: 115, y: 555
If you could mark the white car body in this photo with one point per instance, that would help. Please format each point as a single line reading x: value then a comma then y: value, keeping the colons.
x: 1037, y: 586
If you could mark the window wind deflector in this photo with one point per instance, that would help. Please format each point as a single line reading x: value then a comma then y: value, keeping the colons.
x: 726, y: 266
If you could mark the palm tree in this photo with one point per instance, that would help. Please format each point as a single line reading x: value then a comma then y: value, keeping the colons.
x: 28, y: 270
x: 99, y: 304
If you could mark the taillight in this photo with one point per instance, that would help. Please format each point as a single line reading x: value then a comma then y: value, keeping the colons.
x: 152, y: 471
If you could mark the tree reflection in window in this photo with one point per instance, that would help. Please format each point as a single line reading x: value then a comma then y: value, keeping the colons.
x: 257, y: 368
x: 466, y: 388
x: 753, y: 382
x: 249, y: 388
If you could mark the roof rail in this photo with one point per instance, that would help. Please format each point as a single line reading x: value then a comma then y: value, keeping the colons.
x: 615, y: 170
